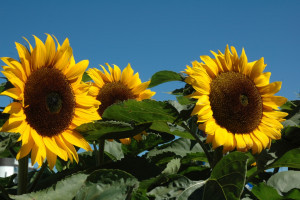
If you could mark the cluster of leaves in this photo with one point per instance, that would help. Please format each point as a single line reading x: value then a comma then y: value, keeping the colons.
x: 168, y: 163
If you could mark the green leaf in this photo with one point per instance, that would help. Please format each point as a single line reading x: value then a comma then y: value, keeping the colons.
x: 170, y: 186
x: 265, y: 192
x: 8, y: 181
x: 8, y: 143
x: 86, y: 77
x: 293, y: 108
x: 141, y: 112
x: 180, y: 147
x: 148, y: 142
x: 285, y: 181
x: 114, y: 149
x: 228, y: 178
x: 109, y: 130
x: 289, y: 159
x: 193, y: 192
x: 107, y: 184
x: 6, y: 85
x: 164, y: 76
x: 173, y: 129
x: 172, y: 167
x: 66, y: 188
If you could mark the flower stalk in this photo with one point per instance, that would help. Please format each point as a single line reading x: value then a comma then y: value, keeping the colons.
x: 22, y: 175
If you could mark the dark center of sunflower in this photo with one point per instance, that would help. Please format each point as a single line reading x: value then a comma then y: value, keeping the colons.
x: 112, y: 93
x: 236, y: 103
x: 49, y: 101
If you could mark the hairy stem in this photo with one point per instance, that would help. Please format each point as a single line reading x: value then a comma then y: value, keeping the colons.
x: 101, y: 151
x: 22, y: 175
x: 209, y: 158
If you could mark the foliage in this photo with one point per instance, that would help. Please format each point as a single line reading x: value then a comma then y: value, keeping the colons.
x: 171, y: 161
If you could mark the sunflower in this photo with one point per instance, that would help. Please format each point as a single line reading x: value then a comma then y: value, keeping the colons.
x: 50, y: 101
x: 236, y: 106
x: 117, y: 86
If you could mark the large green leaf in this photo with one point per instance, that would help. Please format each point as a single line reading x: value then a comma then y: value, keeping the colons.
x: 264, y: 192
x: 173, y: 129
x: 66, y: 189
x: 285, y: 181
x: 109, y: 130
x: 8, y: 143
x: 107, y: 184
x: 228, y: 178
x: 169, y: 187
x: 289, y: 159
x: 141, y: 112
x: 164, y: 76
x: 178, y: 148
x: 193, y: 192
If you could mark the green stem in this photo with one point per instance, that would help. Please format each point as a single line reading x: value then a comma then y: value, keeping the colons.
x: 22, y: 175
x: 101, y: 151
x: 37, y: 177
x: 209, y: 158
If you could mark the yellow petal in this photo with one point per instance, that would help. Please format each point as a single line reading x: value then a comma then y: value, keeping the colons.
x: 147, y: 94
x: 257, y: 146
x: 211, y: 67
x: 54, y: 148
x: 220, y: 136
x: 270, y: 89
x: 50, y: 50
x: 51, y: 159
x: 263, y: 79
x: 240, y: 142
x: 14, y: 93
x: 140, y: 88
x: 262, y: 137
x: 39, y: 142
x: 210, y: 126
x: 38, y: 54
x: 25, y: 149
x: 71, y: 149
x: 271, y: 122
x: 272, y: 133
x: 274, y: 101
x: 248, y: 140
x: 203, y: 118
x: 257, y: 69
x: 95, y: 75
x: 117, y: 73
x: 13, y: 107
x: 127, y: 74
x: 77, y: 70
x: 275, y: 114
x: 243, y: 63
x: 75, y: 138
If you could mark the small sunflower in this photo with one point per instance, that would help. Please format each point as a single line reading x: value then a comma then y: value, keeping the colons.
x: 117, y: 86
x: 236, y: 105
x: 50, y: 101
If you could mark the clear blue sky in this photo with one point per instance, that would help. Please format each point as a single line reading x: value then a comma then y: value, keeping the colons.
x: 162, y: 35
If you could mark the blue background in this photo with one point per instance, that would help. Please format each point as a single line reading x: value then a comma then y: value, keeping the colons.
x: 161, y: 35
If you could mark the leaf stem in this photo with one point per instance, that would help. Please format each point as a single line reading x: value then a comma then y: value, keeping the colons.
x: 37, y: 177
x: 22, y: 175
x: 101, y: 151
x: 209, y: 158
x: 218, y: 155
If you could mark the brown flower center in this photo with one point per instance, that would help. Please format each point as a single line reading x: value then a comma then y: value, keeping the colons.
x: 236, y: 103
x: 112, y: 93
x: 49, y: 101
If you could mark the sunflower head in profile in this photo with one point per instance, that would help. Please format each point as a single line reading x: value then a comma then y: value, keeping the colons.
x: 236, y: 106
x: 117, y: 86
x: 50, y: 101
